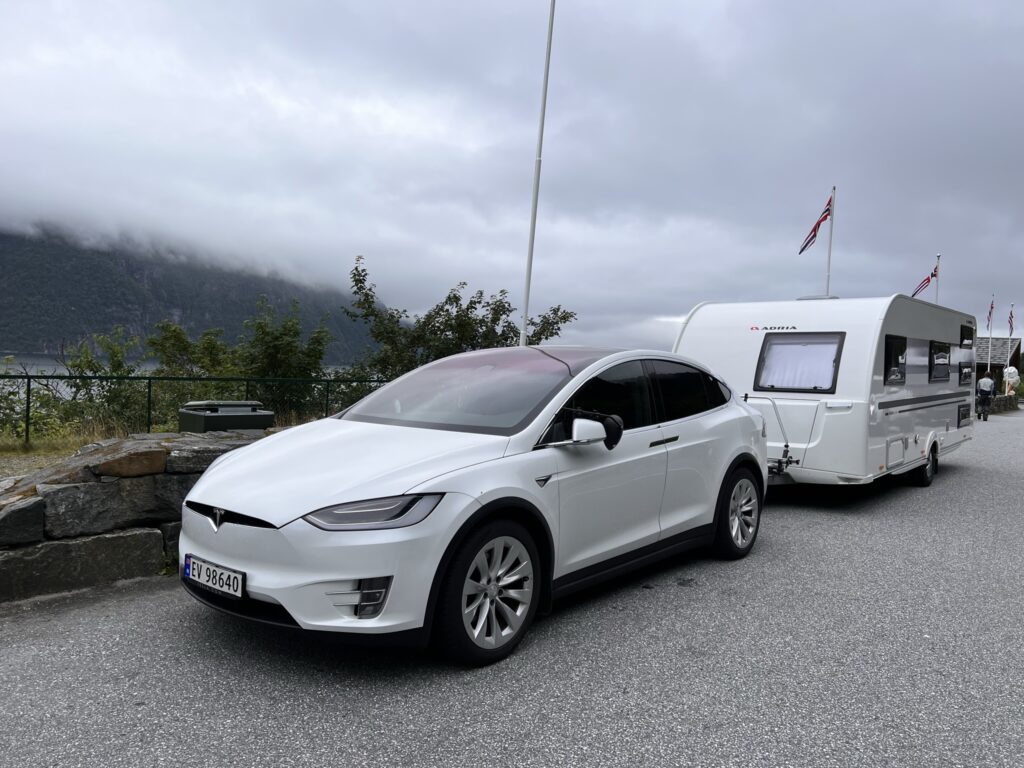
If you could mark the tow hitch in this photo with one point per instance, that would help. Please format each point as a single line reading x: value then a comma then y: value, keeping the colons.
x: 778, y: 466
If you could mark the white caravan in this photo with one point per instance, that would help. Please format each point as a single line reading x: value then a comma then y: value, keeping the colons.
x: 851, y: 389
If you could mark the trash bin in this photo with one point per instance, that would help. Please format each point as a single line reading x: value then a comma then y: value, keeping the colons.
x: 216, y: 415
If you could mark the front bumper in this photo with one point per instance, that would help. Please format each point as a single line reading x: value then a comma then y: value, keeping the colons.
x: 293, y: 573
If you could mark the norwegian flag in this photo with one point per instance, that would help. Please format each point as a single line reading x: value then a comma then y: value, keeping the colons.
x: 813, y: 234
x: 991, y: 309
x: 926, y: 282
x: 1011, y: 319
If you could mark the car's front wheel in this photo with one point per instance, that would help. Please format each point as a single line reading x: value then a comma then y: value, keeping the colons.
x: 489, y: 595
x: 738, y: 514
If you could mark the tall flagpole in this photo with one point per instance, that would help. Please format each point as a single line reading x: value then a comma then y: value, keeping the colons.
x: 1009, y: 338
x: 831, y: 225
x: 536, y: 178
x: 938, y: 257
x: 991, y: 312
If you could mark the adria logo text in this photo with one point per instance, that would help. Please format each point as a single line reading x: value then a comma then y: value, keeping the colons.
x: 773, y: 327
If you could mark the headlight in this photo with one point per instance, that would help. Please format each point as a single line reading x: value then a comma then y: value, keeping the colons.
x: 391, y: 512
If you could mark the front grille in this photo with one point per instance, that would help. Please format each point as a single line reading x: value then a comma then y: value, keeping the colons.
x: 246, y: 607
x: 227, y: 516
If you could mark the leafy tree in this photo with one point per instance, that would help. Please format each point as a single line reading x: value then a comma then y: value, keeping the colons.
x: 275, y: 349
x: 270, y: 348
x: 179, y: 355
x: 103, y: 355
x: 455, y: 324
x: 97, y: 405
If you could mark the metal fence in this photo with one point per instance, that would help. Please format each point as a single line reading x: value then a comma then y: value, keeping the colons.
x: 159, y: 397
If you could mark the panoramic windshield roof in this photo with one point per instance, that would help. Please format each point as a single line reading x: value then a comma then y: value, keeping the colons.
x: 578, y: 358
x: 494, y: 391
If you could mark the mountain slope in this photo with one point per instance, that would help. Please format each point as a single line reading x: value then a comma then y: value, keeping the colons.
x: 53, y: 292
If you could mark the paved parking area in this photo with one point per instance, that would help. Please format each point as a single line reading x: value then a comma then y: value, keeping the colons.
x: 878, y: 626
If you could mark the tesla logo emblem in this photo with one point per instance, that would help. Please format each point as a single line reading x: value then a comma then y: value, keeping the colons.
x: 218, y: 515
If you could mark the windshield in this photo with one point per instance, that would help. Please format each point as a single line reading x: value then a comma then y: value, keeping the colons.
x: 494, y: 391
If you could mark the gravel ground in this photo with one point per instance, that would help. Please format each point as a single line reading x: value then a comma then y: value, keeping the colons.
x: 869, y: 627
x: 15, y: 464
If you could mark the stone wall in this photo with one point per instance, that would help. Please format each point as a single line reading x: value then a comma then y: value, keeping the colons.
x: 112, y: 511
x: 1002, y: 403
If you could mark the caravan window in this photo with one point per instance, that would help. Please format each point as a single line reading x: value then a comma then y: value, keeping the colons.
x: 938, y: 361
x: 799, y: 362
x: 966, y: 336
x: 966, y: 374
x: 895, y: 360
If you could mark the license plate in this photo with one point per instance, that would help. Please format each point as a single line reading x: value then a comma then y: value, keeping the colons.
x: 215, y: 577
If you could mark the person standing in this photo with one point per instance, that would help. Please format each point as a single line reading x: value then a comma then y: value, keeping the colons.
x: 986, y: 388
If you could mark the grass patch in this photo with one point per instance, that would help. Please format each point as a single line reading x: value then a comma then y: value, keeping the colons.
x: 43, y: 446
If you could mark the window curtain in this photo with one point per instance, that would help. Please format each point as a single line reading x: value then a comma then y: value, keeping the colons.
x: 799, y: 364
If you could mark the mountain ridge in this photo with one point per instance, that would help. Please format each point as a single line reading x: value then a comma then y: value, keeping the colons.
x: 55, y: 292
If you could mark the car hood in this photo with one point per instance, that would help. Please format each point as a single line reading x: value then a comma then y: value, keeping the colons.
x: 282, y: 477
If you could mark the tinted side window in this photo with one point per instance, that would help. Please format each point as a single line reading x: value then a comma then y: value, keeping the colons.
x: 938, y: 361
x: 682, y: 389
x: 966, y: 373
x: 718, y: 393
x: 620, y: 391
x: 895, y: 360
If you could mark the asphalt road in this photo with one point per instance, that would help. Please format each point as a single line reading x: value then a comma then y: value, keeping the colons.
x: 878, y: 626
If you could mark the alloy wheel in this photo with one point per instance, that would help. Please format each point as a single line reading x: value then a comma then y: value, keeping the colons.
x: 743, y: 513
x: 497, y: 592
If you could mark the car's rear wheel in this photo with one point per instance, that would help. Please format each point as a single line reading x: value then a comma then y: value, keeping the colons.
x: 738, y: 514
x: 489, y: 595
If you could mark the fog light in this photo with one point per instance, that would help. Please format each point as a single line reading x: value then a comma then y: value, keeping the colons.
x: 373, y: 593
x: 367, y: 598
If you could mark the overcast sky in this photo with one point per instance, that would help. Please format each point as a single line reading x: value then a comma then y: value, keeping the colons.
x: 689, y: 146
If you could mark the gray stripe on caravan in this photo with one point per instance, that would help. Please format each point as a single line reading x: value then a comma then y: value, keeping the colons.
x: 924, y: 399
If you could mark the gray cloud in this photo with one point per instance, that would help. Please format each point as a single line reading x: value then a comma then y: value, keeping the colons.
x: 689, y: 148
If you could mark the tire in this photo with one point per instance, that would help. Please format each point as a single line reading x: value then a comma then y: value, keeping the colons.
x: 738, y: 515
x: 489, y: 595
x: 923, y: 475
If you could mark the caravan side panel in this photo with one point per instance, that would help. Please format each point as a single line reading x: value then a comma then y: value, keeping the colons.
x: 926, y: 395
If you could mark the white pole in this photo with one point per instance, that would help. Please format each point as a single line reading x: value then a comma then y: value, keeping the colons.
x: 536, y: 178
x: 938, y: 257
x: 1009, y: 340
x: 828, y: 261
x: 992, y: 311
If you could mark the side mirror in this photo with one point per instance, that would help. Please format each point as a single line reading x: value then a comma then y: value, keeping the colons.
x: 606, y: 429
x: 588, y: 431
x: 613, y: 427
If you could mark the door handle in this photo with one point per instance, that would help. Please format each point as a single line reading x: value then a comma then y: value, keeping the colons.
x: 666, y: 441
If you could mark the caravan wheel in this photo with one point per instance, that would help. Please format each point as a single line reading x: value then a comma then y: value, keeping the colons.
x: 924, y: 475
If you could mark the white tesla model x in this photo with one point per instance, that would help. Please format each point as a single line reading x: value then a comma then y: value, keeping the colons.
x: 455, y: 502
